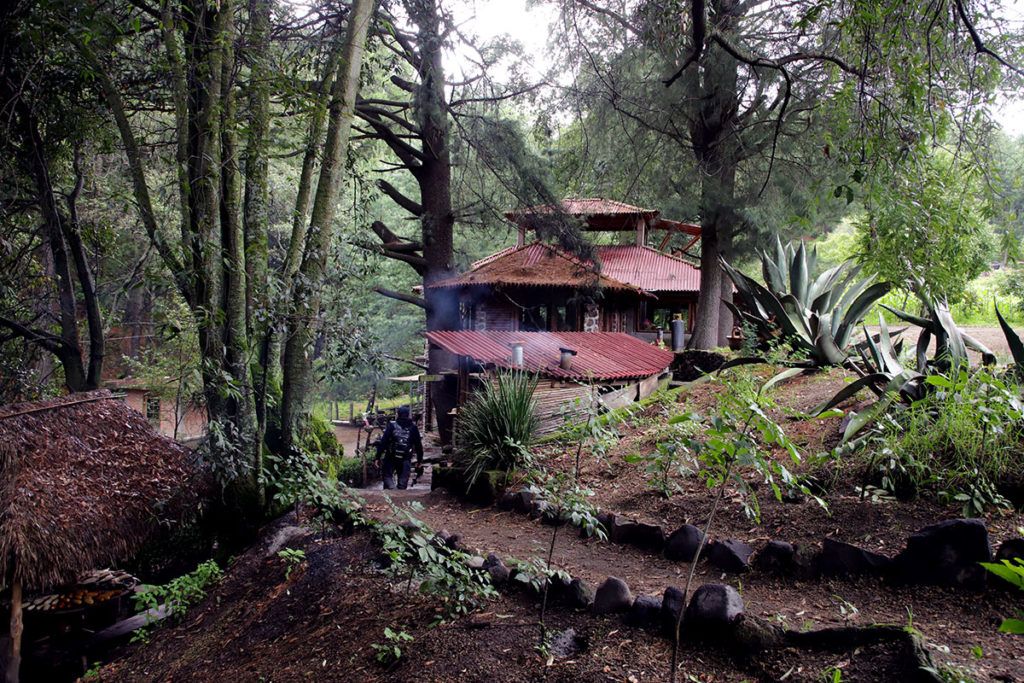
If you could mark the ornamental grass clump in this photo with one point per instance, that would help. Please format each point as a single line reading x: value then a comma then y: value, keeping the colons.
x: 497, y: 424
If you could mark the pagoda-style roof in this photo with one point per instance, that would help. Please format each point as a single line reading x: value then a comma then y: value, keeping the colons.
x: 535, y: 265
x: 642, y: 268
x: 599, y: 355
x: 600, y: 214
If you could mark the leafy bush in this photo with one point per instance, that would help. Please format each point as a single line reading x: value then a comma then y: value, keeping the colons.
x: 176, y: 595
x: 962, y: 438
x: 497, y: 424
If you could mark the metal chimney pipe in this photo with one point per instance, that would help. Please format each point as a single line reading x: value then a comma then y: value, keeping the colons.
x: 517, y: 353
x: 566, y: 360
x: 661, y: 336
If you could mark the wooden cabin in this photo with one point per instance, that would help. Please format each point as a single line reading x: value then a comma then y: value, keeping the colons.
x: 536, y: 287
x: 609, y: 311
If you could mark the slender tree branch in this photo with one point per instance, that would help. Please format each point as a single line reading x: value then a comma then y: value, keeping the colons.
x: 407, y: 298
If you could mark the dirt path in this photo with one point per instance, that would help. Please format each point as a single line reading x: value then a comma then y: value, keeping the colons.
x: 954, y: 623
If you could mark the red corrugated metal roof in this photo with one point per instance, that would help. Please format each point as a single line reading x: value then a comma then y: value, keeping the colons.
x: 600, y: 355
x: 536, y: 265
x: 648, y: 269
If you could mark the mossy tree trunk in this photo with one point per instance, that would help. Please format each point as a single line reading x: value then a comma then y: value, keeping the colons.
x: 297, y: 366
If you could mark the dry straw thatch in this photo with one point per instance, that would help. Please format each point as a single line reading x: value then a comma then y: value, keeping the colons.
x: 84, y: 479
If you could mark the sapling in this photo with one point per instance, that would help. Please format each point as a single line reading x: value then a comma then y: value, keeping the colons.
x: 737, y: 435
x: 569, y: 505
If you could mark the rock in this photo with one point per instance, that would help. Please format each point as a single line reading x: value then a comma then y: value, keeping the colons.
x: 499, y: 573
x: 475, y: 562
x: 805, y: 562
x: 506, y: 501
x: 776, y: 557
x: 682, y: 544
x: 605, y: 518
x: 713, y: 606
x: 671, y: 606
x: 581, y: 594
x: 645, y: 612
x: 946, y: 554
x: 491, y: 561
x: 1011, y: 548
x: 621, y: 529
x: 455, y: 542
x: 554, y: 517
x: 730, y: 555
x: 612, y: 596
x: 753, y: 635
x: 648, y: 536
x: 539, y: 508
x: 523, y: 502
x: 839, y: 558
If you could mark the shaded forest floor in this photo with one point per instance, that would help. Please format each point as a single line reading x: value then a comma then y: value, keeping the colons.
x: 323, y: 621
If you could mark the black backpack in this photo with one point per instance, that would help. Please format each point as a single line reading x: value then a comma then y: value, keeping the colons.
x: 401, y: 441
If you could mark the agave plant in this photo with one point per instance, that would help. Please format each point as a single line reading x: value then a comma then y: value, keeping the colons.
x: 816, y: 316
x: 1013, y: 341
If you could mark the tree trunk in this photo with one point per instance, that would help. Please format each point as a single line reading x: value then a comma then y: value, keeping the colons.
x: 434, y: 176
x: 298, y: 361
x: 714, y: 139
x: 256, y: 216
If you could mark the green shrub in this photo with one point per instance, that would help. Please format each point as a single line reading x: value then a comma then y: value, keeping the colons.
x: 963, y: 438
x: 497, y: 424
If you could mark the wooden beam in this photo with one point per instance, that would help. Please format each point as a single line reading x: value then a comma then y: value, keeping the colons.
x: 17, y: 626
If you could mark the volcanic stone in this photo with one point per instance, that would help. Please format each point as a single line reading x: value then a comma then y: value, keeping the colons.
x: 946, y: 554
x: 776, y: 557
x: 612, y: 596
x: 839, y: 558
x: 730, y: 555
x: 523, y: 502
x: 683, y: 542
x: 1010, y: 549
x: 648, y: 536
x: 581, y: 593
x: 715, y: 606
x: 646, y: 611
x: 506, y: 501
x: 671, y: 606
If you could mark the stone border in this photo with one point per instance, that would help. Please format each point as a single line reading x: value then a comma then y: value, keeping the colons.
x: 946, y: 553
x: 714, y: 614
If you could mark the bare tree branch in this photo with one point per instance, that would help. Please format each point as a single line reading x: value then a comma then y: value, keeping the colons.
x: 407, y: 298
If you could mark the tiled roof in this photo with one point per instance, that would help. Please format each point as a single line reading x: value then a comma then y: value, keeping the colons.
x: 536, y: 265
x: 600, y: 355
x: 648, y: 269
x: 641, y: 267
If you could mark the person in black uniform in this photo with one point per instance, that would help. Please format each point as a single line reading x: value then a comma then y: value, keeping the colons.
x: 395, y: 449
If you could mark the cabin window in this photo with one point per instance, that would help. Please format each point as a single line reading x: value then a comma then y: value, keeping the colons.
x: 153, y: 411
x: 534, y: 319
x: 566, y: 318
x: 651, y: 316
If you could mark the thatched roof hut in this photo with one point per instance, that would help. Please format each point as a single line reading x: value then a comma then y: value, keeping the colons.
x: 83, y: 480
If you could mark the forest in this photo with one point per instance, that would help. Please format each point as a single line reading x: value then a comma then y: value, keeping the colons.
x: 252, y: 216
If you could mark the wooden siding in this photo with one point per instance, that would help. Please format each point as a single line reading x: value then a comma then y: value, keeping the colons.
x: 553, y: 398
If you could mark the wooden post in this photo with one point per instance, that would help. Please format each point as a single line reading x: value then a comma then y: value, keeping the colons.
x: 14, y: 664
x: 351, y: 412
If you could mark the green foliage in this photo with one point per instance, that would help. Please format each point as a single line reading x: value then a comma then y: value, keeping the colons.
x: 670, y: 459
x: 297, y: 479
x: 742, y: 434
x: 293, y: 557
x: 390, y: 651
x: 1011, y: 571
x: 176, y: 596
x: 441, y: 571
x: 961, y: 438
x: 815, y: 316
x: 928, y: 226
x: 497, y: 424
